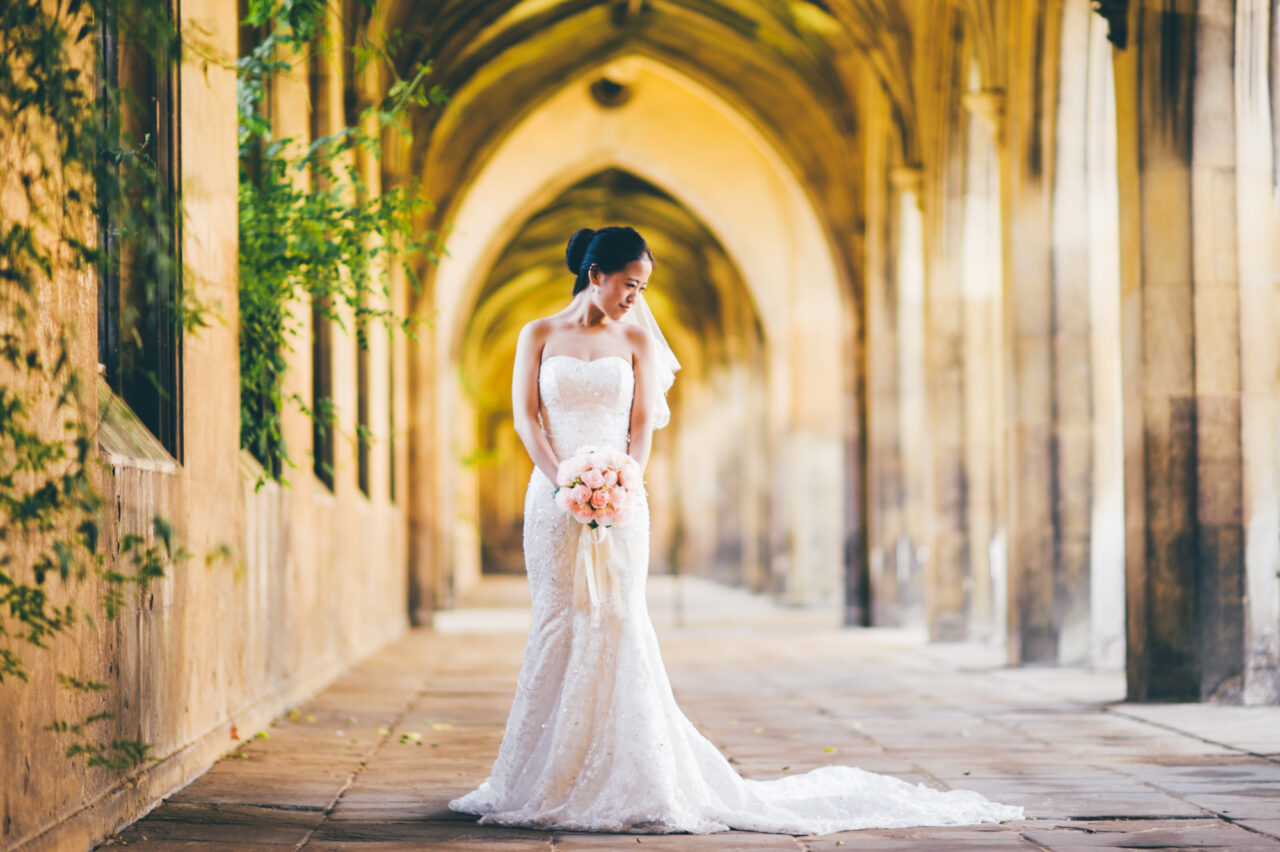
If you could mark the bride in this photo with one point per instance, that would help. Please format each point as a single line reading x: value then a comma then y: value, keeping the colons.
x: 595, y: 740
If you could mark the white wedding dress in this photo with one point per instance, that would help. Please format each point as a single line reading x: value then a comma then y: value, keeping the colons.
x: 595, y: 740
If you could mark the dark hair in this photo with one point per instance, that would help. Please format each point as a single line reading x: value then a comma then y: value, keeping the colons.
x: 610, y: 248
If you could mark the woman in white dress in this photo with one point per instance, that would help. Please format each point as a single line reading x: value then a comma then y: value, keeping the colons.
x: 595, y: 740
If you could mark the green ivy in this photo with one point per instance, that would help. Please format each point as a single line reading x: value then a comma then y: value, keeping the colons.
x: 67, y: 166
x: 311, y: 231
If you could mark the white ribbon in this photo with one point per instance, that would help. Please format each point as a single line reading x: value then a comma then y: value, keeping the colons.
x: 595, y: 572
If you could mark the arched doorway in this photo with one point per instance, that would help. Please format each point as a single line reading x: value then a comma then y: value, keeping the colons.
x: 680, y: 138
x: 708, y: 315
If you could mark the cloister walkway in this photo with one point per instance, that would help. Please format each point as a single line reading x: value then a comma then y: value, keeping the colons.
x: 370, y: 763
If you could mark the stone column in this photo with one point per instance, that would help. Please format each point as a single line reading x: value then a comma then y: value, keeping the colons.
x: 947, y: 559
x: 1030, y: 478
x: 1072, y: 329
x: 981, y: 273
x: 1070, y: 317
x: 913, y: 429
x: 422, y: 465
x: 1047, y: 308
x: 1106, y: 527
x: 1259, y: 353
x: 1187, y: 460
x: 884, y: 457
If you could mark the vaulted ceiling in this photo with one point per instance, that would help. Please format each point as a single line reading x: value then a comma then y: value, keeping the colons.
x: 792, y: 68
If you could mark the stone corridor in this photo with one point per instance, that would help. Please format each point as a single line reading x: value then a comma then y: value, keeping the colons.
x: 977, y: 304
x: 371, y: 761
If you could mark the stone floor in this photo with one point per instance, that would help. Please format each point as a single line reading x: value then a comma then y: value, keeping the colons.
x: 370, y: 763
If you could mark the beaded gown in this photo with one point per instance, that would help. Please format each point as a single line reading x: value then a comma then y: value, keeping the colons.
x: 595, y: 740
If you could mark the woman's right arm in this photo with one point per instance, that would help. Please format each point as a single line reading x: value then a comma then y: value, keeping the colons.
x: 525, y: 400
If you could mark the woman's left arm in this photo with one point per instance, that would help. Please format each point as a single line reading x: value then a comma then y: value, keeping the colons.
x: 644, y: 403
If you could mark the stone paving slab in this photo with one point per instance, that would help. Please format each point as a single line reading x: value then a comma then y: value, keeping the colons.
x: 184, y: 823
x: 371, y: 763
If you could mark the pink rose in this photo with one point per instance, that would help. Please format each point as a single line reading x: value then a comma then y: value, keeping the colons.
x: 611, y: 477
x: 593, y: 478
x: 583, y: 515
x: 606, y: 516
x: 580, y: 494
x: 600, y: 499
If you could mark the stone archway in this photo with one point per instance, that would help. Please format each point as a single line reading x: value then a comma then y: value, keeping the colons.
x: 680, y: 137
x: 713, y: 324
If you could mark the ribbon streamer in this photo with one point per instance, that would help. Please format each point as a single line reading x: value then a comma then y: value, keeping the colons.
x: 596, y: 572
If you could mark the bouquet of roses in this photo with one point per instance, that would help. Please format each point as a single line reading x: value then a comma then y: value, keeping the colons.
x: 598, y: 486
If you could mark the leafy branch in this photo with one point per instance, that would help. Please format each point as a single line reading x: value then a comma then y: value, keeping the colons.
x: 311, y: 230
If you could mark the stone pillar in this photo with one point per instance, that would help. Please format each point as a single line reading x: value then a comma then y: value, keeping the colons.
x: 1187, y: 460
x: 1256, y: 31
x: 981, y: 273
x: 884, y: 461
x: 947, y: 559
x: 1071, y: 348
x: 1050, y: 327
x: 1031, y: 478
x: 1061, y: 229
x: 421, y: 458
x: 1106, y: 527
x: 913, y: 425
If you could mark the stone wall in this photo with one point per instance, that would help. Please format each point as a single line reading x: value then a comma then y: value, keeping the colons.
x: 211, y: 653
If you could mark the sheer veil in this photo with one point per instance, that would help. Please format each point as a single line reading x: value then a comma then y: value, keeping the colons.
x: 667, y: 363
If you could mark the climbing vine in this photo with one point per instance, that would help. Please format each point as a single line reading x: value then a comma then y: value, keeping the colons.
x: 68, y: 164
x: 311, y: 231
x: 81, y: 195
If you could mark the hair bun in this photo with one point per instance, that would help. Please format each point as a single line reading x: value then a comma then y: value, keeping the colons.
x: 577, y: 248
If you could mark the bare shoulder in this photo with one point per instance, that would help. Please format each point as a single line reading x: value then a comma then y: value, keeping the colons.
x: 640, y: 341
x: 537, y: 331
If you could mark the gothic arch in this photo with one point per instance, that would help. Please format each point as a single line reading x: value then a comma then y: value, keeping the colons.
x: 679, y: 136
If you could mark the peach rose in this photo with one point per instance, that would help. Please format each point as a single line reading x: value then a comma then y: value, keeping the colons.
x: 611, y: 477
x: 600, y: 499
x: 580, y: 494
x: 593, y: 478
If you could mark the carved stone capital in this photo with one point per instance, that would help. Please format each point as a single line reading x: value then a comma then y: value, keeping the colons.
x: 908, y: 179
x: 988, y: 105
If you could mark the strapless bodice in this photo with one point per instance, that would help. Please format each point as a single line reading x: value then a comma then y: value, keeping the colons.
x: 586, y: 402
